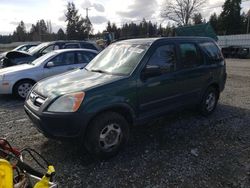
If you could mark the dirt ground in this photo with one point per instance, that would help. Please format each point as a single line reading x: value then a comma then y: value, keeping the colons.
x: 179, y: 150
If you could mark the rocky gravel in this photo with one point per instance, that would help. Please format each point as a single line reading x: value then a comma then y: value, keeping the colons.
x: 179, y: 150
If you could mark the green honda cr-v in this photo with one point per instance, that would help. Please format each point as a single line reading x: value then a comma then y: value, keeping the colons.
x: 129, y: 83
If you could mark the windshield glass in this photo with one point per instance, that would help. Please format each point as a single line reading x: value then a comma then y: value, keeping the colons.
x: 43, y: 58
x: 37, y: 48
x: 18, y: 48
x: 120, y: 59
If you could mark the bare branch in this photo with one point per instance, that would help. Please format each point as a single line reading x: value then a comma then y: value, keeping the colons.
x: 181, y: 11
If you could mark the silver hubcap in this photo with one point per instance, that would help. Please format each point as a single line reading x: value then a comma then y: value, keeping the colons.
x: 110, y: 136
x: 24, y: 89
x: 210, y: 102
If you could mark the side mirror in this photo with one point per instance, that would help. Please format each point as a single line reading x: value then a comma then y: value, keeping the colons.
x: 151, y: 71
x: 50, y: 64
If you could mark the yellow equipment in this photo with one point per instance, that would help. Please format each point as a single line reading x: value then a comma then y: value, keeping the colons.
x: 6, y: 174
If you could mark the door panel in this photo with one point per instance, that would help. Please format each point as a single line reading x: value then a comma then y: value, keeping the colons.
x: 193, y: 73
x: 159, y: 93
x: 62, y: 63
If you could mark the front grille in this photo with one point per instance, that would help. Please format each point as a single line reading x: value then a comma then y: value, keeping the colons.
x: 37, y: 99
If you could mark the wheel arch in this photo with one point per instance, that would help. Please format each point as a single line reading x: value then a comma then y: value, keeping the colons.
x: 216, y: 86
x: 123, y: 109
x: 21, y: 80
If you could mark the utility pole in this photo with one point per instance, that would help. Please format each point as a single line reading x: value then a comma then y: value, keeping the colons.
x: 87, y: 19
x: 248, y: 20
x: 87, y: 12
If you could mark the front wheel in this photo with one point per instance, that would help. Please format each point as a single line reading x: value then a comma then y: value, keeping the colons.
x: 209, y: 101
x: 22, y: 88
x: 106, y: 135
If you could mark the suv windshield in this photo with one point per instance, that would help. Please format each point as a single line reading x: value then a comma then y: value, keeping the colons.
x: 120, y: 59
x: 37, y: 48
x: 43, y: 58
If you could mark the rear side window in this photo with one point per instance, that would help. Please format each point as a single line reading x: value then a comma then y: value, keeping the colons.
x: 84, y: 57
x: 212, y: 51
x: 88, y: 46
x: 71, y: 45
x: 164, y: 57
x: 190, y: 55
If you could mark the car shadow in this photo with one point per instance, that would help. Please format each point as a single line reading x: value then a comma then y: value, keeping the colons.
x: 175, y: 132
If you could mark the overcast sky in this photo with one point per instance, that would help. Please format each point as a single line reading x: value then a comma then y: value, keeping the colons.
x: 118, y: 11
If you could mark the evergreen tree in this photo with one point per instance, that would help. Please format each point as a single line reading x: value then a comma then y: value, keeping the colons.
x: 109, y: 28
x: 213, y: 20
x: 230, y: 17
x: 20, y: 32
x: 61, y: 34
x: 77, y: 27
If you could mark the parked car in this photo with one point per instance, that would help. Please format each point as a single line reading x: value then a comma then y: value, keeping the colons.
x: 24, y: 47
x: 20, y: 57
x: 18, y: 80
x: 130, y: 82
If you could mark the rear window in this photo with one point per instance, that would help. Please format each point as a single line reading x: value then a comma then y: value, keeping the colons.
x: 212, y: 51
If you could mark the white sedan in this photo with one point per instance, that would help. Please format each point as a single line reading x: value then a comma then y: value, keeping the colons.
x: 18, y: 80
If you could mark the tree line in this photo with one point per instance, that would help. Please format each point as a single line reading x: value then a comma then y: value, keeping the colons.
x: 180, y: 12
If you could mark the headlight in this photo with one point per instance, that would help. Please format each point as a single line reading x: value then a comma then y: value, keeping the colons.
x: 67, y: 103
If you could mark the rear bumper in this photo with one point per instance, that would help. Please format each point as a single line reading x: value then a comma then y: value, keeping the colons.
x: 56, y: 126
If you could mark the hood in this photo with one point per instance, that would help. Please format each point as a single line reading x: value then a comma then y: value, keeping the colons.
x: 17, y: 54
x: 74, y: 81
x: 16, y: 68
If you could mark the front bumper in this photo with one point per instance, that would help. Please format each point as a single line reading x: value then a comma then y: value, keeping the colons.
x: 6, y: 87
x: 58, y: 125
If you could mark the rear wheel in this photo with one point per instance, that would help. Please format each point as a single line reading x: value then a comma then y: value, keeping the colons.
x: 22, y: 88
x: 107, y: 134
x: 209, y: 101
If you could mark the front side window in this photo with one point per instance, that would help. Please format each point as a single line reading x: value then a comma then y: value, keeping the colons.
x: 118, y: 58
x: 164, y: 57
x: 84, y: 57
x: 64, y: 59
x: 190, y: 55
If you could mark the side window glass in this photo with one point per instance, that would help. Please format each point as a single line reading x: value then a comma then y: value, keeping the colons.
x: 69, y: 58
x: 164, y: 57
x: 88, y: 46
x: 211, y: 50
x: 57, y: 61
x: 70, y: 46
x: 56, y: 47
x: 84, y: 57
x: 64, y: 59
x: 190, y: 56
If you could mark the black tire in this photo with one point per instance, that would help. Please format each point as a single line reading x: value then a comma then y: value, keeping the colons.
x: 207, y: 108
x: 21, y: 88
x: 93, y: 141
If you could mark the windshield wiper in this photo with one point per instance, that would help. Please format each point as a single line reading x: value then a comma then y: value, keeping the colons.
x: 99, y: 71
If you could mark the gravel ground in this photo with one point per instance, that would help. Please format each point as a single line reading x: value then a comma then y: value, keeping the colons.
x: 180, y: 150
